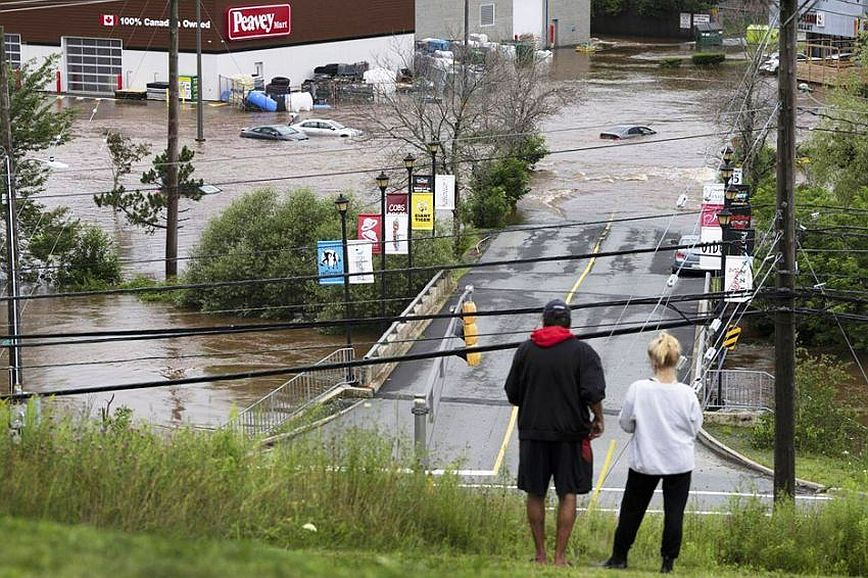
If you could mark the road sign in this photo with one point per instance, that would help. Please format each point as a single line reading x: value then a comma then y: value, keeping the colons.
x: 738, y: 277
x: 731, y: 338
x: 709, y: 257
x: 330, y: 261
x: 737, y: 176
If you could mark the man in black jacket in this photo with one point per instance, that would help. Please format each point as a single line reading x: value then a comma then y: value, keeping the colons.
x: 557, y: 382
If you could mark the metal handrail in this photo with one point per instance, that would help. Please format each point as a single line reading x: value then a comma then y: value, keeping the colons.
x: 285, y: 402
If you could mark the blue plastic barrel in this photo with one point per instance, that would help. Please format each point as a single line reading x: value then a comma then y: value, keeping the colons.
x: 261, y: 100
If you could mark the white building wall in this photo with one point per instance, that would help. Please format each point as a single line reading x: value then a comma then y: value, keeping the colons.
x: 296, y: 62
x: 40, y: 53
x: 528, y: 17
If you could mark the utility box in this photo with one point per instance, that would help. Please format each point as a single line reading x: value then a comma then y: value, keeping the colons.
x: 708, y: 34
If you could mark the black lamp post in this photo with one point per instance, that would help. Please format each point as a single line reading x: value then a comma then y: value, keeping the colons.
x: 342, y: 203
x: 726, y: 173
x: 724, y: 218
x: 433, y: 147
x: 409, y: 164
x: 727, y: 154
x: 383, y: 183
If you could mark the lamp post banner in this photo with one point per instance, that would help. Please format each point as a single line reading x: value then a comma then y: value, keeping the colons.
x: 444, y: 196
x: 330, y: 261
x: 709, y: 257
x: 369, y: 229
x: 422, y: 211
x: 713, y: 194
x: 396, y: 233
x: 361, y: 260
x: 422, y: 184
x: 738, y: 277
x: 708, y: 217
x: 396, y: 203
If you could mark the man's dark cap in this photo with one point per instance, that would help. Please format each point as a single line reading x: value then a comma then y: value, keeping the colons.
x: 556, y: 312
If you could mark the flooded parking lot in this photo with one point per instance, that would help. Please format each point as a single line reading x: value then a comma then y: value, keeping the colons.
x: 616, y: 86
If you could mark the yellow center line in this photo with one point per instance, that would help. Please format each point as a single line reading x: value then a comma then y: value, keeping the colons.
x: 513, y: 417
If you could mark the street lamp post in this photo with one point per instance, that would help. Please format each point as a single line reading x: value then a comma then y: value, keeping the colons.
x: 342, y: 203
x: 726, y: 169
x: 383, y: 183
x: 409, y: 164
x: 433, y: 147
x: 723, y: 218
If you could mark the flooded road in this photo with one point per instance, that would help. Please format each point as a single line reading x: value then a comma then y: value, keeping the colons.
x: 617, y: 86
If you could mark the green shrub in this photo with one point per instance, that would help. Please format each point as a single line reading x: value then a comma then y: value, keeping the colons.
x: 708, y: 58
x: 671, y: 62
x: 823, y: 426
x: 529, y: 150
x: 487, y: 208
x: 77, y: 256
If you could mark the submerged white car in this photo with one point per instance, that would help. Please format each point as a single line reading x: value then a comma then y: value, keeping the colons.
x: 322, y: 127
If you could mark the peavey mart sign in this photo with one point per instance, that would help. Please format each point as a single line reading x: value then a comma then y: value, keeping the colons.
x: 250, y: 22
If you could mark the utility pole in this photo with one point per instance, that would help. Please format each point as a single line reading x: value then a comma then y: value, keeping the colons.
x: 785, y: 326
x: 172, y: 149
x: 466, y: 27
x: 200, y: 129
x: 12, y: 288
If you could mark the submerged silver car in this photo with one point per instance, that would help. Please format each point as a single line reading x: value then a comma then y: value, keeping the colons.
x: 623, y: 131
x: 687, y: 260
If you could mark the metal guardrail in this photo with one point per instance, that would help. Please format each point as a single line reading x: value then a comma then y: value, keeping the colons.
x: 739, y: 389
x: 427, y: 404
x: 279, y: 406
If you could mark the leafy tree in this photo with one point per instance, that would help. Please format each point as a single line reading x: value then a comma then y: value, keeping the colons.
x: 124, y: 153
x: 51, y: 240
x: 147, y: 208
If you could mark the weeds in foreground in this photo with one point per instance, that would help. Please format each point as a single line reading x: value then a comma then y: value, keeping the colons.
x: 218, y: 485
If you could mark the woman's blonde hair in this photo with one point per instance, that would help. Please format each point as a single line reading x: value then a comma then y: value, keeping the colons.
x: 664, y: 351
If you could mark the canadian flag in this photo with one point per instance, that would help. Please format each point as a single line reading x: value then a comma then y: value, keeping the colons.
x: 108, y: 20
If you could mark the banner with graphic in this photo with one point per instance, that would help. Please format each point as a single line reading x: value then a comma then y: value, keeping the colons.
x: 361, y: 260
x: 369, y: 229
x: 738, y: 277
x: 330, y: 261
x: 422, y: 211
x: 397, y: 203
x: 396, y: 233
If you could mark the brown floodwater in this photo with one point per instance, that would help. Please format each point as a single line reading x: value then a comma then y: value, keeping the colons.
x: 612, y: 87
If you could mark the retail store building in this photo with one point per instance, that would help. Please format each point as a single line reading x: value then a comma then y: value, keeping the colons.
x: 102, y: 46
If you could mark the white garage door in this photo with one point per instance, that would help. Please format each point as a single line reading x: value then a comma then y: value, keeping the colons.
x: 92, y: 64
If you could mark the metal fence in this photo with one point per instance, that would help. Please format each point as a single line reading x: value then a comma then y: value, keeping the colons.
x: 285, y: 402
x: 739, y: 389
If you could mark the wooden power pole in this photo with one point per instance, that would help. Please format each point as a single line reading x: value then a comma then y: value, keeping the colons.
x: 172, y: 149
x: 785, y: 325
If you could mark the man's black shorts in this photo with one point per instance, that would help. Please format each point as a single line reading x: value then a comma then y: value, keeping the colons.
x: 538, y: 461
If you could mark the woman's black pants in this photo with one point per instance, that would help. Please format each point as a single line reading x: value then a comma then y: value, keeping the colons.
x: 637, y: 495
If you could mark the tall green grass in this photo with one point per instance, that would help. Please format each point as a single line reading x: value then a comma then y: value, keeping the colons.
x: 219, y: 485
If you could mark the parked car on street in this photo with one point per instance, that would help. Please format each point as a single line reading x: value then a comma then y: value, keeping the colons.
x: 273, y: 132
x: 626, y: 131
x: 323, y: 127
x: 686, y: 260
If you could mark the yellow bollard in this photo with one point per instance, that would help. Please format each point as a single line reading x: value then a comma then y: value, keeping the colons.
x: 603, y: 473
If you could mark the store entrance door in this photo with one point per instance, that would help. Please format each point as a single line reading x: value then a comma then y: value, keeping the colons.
x: 93, y: 65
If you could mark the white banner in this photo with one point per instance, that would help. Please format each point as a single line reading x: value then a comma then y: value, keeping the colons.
x: 709, y: 257
x: 738, y: 277
x: 444, y: 196
x: 713, y: 194
x: 361, y: 261
x: 396, y: 233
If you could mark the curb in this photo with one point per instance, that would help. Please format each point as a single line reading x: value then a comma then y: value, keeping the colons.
x: 726, y: 452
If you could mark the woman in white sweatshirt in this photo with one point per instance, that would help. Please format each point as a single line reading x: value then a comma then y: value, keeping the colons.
x: 664, y: 417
